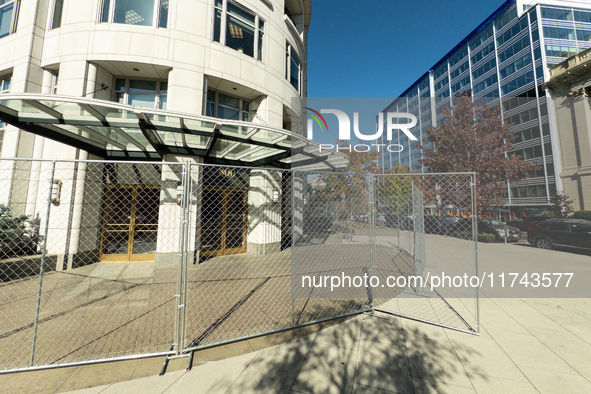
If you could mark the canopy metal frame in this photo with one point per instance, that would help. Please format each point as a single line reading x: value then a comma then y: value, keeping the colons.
x: 122, y: 132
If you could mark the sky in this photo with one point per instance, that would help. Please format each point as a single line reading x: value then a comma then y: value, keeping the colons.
x: 378, y: 48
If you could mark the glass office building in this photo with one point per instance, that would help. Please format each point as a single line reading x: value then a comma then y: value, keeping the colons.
x: 505, y: 61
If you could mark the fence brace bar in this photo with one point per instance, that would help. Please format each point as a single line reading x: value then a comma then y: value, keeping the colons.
x: 42, y: 268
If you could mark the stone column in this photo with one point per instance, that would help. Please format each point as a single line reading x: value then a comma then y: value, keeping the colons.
x: 169, y: 215
x: 264, y: 215
x: 298, y: 206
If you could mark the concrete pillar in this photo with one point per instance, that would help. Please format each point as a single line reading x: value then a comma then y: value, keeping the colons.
x: 264, y: 215
x: 169, y: 215
x: 298, y: 206
x: 185, y: 90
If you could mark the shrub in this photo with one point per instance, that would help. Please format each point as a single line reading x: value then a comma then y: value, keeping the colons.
x: 548, y: 215
x: 582, y: 215
x: 463, y: 234
x: 6, y: 219
x: 484, y: 237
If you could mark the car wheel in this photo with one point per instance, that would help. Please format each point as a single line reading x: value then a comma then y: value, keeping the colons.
x: 543, y: 243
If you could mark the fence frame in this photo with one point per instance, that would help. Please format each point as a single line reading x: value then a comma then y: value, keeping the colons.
x: 180, y: 346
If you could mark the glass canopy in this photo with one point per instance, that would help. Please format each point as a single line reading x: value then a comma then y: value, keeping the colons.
x: 115, y: 131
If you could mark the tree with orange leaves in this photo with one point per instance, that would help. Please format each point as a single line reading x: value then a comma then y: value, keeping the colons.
x: 473, y: 138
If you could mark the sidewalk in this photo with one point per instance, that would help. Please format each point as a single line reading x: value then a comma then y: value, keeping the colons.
x: 526, y: 346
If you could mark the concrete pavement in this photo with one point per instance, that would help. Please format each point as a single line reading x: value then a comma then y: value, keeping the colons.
x: 526, y: 346
x: 537, y: 345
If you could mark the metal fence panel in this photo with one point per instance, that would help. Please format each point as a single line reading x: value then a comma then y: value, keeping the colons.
x: 87, y: 285
x: 333, y: 241
x: 105, y: 260
x: 429, y: 234
x: 238, y: 282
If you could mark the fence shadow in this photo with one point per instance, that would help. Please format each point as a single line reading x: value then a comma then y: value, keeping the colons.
x: 361, y: 354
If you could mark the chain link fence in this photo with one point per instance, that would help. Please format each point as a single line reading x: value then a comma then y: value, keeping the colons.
x: 109, y: 260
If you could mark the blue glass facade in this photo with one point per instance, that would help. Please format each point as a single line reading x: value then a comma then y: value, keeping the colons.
x: 504, y: 61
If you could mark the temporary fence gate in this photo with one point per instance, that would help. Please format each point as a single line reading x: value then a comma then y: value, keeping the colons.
x: 112, y: 260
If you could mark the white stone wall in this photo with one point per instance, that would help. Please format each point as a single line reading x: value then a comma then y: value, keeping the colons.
x: 573, y: 116
x: 264, y: 215
x: 87, y: 54
x: 169, y: 215
x: 184, y: 53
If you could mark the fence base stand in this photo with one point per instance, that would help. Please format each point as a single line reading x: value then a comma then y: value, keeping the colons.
x: 165, y: 365
x: 190, y: 363
x: 372, y: 314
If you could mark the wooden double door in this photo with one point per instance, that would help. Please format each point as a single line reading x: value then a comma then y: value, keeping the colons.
x: 223, y: 222
x: 130, y: 223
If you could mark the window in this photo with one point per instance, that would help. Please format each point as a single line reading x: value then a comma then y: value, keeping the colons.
x: 515, y: 66
x: 293, y: 67
x: 579, y: 229
x: 488, y: 82
x: 54, y: 81
x: 440, y: 71
x: 523, y: 117
x: 461, y: 84
x: 522, y: 99
x: 4, y: 88
x: 455, y: 73
x: 527, y: 134
x: 481, y: 38
x: 58, y: 9
x: 458, y: 56
x: 513, y: 49
x: 441, y: 83
x: 528, y: 153
x: 559, y: 33
x: 512, y: 32
x: 486, y: 67
x: 553, y: 13
x: 529, y: 192
x: 583, y: 35
x: 145, y: 93
x: 490, y: 48
x: 582, y: 16
x: 152, y: 13
x: 558, y: 227
x: 560, y: 50
x: 424, y: 84
x: 8, y: 16
x: 243, y: 30
x: 220, y: 105
x: 506, y: 18
x: 517, y: 83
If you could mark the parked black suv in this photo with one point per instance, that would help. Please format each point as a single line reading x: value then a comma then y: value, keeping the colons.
x: 433, y: 225
x: 575, y: 233
x: 489, y: 226
x: 525, y: 222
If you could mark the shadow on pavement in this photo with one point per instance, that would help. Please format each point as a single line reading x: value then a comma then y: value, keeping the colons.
x: 361, y: 354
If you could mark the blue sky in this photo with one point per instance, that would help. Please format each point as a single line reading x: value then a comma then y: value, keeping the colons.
x: 378, y: 48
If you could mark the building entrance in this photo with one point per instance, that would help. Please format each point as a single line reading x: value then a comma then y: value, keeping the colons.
x: 223, y: 220
x: 130, y: 223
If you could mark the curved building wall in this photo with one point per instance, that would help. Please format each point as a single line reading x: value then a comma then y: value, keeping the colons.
x: 84, y: 55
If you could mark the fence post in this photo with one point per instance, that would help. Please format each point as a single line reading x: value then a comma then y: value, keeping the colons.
x: 181, y: 263
x: 42, y: 268
x: 412, y: 209
x: 371, y: 220
x: 188, y: 192
x: 475, y: 240
x: 293, y: 224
